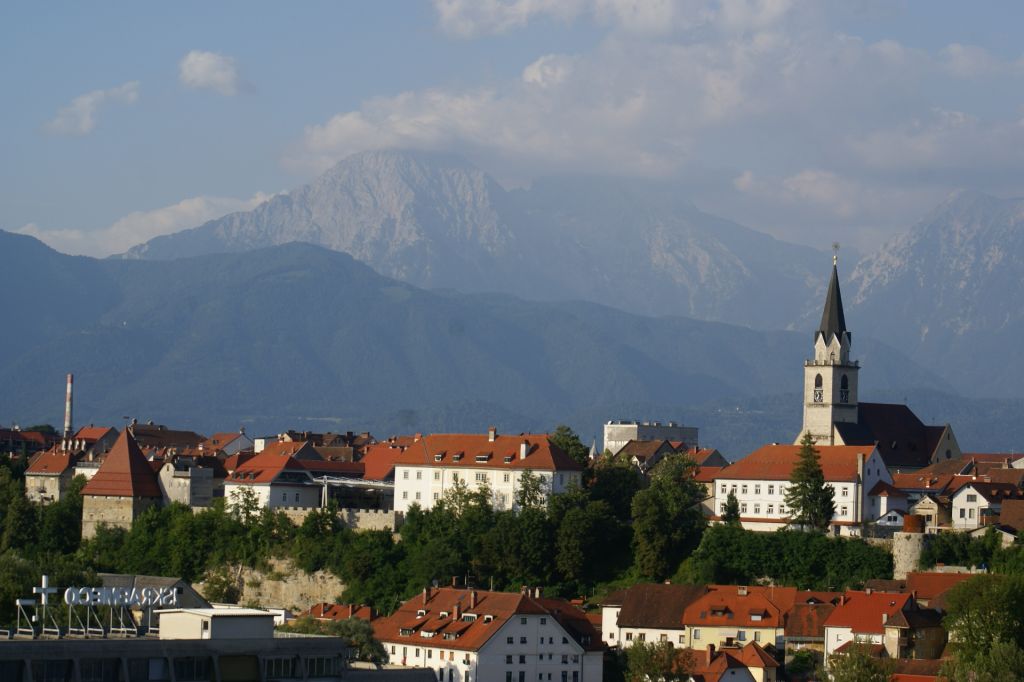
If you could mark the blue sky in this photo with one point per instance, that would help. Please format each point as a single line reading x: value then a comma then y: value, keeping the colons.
x: 810, y: 121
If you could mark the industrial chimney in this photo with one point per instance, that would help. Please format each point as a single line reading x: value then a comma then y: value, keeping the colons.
x: 67, y: 408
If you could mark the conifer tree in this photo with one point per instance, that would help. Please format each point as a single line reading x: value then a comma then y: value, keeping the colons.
x: 810, y: 500
x: 731, y: 515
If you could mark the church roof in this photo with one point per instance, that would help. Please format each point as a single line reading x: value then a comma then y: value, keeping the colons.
x: 833, y: 321
x: 125, y: 472
x: 903, y: 440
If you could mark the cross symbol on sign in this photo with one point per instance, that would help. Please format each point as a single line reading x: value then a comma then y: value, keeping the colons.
x: 45, y: 590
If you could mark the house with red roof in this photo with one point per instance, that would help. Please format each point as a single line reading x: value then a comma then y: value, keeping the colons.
x: 760, y: 479
x: 750, y: 663
x: 861, y: 616
x: 334, y: 612
x: 228, y: 443
x: 124, y: 486
x: 433, y: 464
x: 978, y: 503
x: 288, y: 475
x: 49, y: 474
x: 648, y: 612
x: 481, y: 636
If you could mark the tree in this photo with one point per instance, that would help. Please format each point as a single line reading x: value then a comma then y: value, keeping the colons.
x: 1004, y: 662
x: 656, y: 662
x: 810, y: 500
x: 616, y: 482
x: 356, y: 631
x: 858, y: 665
x: 982, y: 611
x: 667, y: 518
x: 566, y: 440
x: 731, y: 515
x: 531, y: 493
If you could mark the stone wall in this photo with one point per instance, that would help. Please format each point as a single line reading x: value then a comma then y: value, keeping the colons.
x: 118, y: 512
x: 906, y: 553
x: 356, y: 519
x: 284, y: 586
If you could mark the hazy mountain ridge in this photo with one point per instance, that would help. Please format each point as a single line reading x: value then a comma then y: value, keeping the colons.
x: 438, y: 222
x: 297, y: 334
x: 949, y: 292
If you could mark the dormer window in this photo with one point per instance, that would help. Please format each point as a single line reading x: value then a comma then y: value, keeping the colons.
x: 488, y: 618
x: 468, y: 617
x: 457, y: 457
x: 484, y: 457
x: 438, y: 457
x: 421, y: 613
x: 443, y: 614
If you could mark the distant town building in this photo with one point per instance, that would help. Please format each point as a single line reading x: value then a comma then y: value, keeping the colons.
x: 833, y: 415
x: 124, y: 486
x: 433, y: 464
x: 468, y: 635
x: 760, y: 480
x: 619, y: 432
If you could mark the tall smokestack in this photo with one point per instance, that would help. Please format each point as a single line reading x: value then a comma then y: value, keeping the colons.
x: 67, y: 408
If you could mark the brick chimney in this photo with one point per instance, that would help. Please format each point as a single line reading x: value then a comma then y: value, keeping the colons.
x: 492, y: 433
x: 472, y: 599
x: 457, y: 611
x: 524, y: 449
x: 426, y: 595
x: 710, y: 654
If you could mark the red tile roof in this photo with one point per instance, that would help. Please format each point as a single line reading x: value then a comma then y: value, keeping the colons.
x: 236, y: 460
x: 929, y: 585
x: 125, y: 472
x: 52, y: 462
x: 326, y: 468
x: 91, y: 434
x: 713, y: 666
x: 1011, y: 514
x: 379, y: 461
x: 476, y: 451
x: 807, y: 621
x: 883, y: 489
x: 862, y: 612
x: 728, y: 607
x: 776, y: 462
x: 472, y: 635
x: 299, y: 450
x: 657, y: 605
x: 263, y: 468
x: 325, y: 611
x: 706, y: 474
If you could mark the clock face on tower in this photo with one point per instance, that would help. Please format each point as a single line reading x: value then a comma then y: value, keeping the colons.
x: 819, y: 396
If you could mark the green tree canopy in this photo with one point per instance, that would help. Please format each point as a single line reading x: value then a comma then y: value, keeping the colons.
x: 568, y: 442
x: 731, y: 516
x: 667, y: 518
x: 810, y: 500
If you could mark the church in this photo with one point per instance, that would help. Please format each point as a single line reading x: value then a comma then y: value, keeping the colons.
x: 833, y: 415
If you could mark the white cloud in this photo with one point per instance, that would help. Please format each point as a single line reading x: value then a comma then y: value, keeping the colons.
x: 140, y: 226
x: 79, y: 117
x: 210, y: 71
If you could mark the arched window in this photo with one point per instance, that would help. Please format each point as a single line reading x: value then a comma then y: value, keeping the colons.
x: 844, y: 390
x: 819, y: 395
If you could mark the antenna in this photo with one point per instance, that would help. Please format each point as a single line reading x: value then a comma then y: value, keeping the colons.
x: 835, y: 253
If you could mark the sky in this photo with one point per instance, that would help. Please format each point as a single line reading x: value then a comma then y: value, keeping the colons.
x: 812, y: 121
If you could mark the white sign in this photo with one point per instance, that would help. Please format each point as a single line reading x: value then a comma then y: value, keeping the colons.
x: 121, y: 596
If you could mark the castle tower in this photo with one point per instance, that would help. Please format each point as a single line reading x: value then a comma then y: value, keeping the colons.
x: 830, y: 377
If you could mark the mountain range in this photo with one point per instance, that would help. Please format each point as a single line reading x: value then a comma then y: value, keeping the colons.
x: 298, y: 336
x: 436, y: 221
x: 948, y: 293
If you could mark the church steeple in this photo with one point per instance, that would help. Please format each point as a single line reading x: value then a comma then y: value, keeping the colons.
x: 833, y: 321
x: 830, y: 378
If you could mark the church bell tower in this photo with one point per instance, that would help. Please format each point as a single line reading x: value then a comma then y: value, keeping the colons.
x: 830, y: 377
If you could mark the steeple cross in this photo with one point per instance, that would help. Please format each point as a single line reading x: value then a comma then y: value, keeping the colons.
x: 835, y: 253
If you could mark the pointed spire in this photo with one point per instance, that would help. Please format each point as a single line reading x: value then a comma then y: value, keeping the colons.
x: 125, y: 472
x: 833, y: 321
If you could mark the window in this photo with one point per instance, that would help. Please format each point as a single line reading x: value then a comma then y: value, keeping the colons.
x: 970, y: 513
x: 437, y: 475
x: 842, y: 511
x: 507, y: 477
x: 757, y: 490
x: 522, y: 676
x: 721, y: 508
x: 565, y: 657
x: 629, y: 636
x: 663, y: 638
x: 611, y: 635
x: 757, y: 509
x: 284, y: 497
x: 819, y: 394
x: 437, y: 496
x: 405, y: 494
x: 417, y: 495
x: 770, y: 510
x: 682, y: 639
x: 723, y: 490
x: 543, y: 621
x: 522, y: 621
x: 845, y: 491
x: 643, y: 638
x: 419, y: 475
x: 508, y: 673
x: 782, y: 509
x: 510, y: 640
x: 744, y: 490
x: 771, y: 490
x: 844, y: 390
x: 972, y: 498
x: 757, y: 635
x: 481, y: 476
x: 279, y: 667
x: 522, y: 640
x: 963, y: 513
x: 296, y: 497
x: 696, y: 633
x: 741, y: 635
x: 321, y: 666
x: 522, y: 659
x: 743, y: 508
x: 405, y: 474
